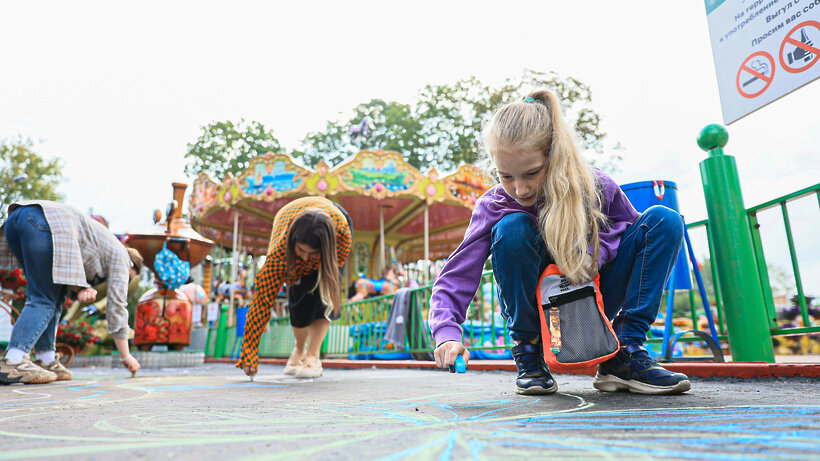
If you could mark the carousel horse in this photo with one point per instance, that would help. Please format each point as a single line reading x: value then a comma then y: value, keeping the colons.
x: 387, y: 285
x: 362, y: 129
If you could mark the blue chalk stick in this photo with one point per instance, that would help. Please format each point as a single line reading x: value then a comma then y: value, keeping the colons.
x: 461, y: 367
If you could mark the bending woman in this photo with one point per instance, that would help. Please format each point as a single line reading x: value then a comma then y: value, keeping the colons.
x: 308, y: 249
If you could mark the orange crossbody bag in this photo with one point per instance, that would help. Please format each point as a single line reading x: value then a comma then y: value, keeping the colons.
x: 575, y: 331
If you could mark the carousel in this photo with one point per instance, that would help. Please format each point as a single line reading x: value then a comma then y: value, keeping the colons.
x: 398, y: 213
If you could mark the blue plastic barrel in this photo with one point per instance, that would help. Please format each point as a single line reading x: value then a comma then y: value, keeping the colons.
x: 241, y: 314
x: 644, y: 194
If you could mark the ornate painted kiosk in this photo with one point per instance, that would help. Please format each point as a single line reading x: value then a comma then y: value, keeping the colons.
x: 163, y: 316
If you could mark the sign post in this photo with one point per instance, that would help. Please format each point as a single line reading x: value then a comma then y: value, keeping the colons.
x: 763, y: 50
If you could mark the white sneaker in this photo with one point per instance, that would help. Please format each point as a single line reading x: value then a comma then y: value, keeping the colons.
x: 63, y: 374
x: 295, y: 361
x: 311, y: 368
x: 24, y: 372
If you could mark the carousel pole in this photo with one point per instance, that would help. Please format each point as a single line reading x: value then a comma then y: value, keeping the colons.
x: 381, y: 239
x: 234, y: 257
x: 254, y: 261
x: 240, y: 244
x: 207, y: 273
x: 218, y: 251
x: 426, y: 278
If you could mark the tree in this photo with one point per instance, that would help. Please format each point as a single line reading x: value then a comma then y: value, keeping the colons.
x: 227, y: 147
x: 25, y: 175
x: 452, y: 115
x: 443, y: 129
x: 780, y: 279
x: 682, y: 306
x: 396, y: 127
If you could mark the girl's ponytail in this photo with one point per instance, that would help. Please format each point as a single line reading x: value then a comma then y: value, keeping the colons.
x: 570, y: 209
x: 571, y: 217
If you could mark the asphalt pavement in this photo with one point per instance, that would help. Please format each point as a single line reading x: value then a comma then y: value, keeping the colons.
x: 216, y: 412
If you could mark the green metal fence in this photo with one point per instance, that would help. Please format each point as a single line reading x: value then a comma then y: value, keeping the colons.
x: 360, y: 330
x: 359, y: 333
x: 753, y: 212
x: 762, y: 269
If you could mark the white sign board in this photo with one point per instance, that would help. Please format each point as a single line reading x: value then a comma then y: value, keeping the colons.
x: 5, y: 326
x: 213, y: 312
x: 763, y: 49
x: 196, y: 313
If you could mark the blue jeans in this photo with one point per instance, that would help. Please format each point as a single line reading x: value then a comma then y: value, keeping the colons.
x: 519, y: 257
x: 631, y: 284
x: 29, y: 237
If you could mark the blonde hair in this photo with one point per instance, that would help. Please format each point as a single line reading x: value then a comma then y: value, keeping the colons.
x: 136, y: 259
x: 569, y: 213
x: 314, y: 228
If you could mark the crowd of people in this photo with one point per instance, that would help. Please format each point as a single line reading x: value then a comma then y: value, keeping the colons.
x: 550, y: 207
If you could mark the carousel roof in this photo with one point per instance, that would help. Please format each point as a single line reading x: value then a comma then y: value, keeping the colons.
x: 365, y: 184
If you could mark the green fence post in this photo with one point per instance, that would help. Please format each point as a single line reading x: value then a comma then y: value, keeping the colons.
x: 763, y: 271
x: 749, y: 337
x: 208, y: 342
x: 323, y: 350
x: 221, y: 332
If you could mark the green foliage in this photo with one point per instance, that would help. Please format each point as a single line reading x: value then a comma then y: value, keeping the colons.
x: 780, y: 279
x: 443, y: 129
x: 227, y: 147
x: 682, y: 306
x: 38, y: 176
x: 396, y: 128
x: 76, y: 334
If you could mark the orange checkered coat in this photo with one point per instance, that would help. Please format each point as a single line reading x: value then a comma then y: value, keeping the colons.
x: 274, y: 272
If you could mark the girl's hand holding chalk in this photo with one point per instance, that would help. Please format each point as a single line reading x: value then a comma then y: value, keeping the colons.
x: 447, y: 354
x: 460, y: 366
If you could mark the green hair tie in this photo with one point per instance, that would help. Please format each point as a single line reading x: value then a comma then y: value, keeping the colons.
x: 529, y: 99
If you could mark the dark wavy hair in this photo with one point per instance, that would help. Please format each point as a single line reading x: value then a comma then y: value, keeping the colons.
x: 315, y: 228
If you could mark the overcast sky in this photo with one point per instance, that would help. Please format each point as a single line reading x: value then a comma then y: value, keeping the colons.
x: 117, y: 90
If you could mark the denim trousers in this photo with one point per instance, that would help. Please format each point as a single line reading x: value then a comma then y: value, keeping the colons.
x: 29, y: 237
x: 631, y: 285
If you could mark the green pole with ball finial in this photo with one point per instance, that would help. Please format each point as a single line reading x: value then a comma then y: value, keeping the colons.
x: 749, y: 337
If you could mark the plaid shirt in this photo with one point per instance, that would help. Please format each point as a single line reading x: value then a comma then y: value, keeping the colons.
x: 275, y: 271
x: 85, y: 254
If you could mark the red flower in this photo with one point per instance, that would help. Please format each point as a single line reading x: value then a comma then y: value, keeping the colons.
x: 146, y: 308
x: 179, y: 332
x: 171, y: 309
x: 150, y: 333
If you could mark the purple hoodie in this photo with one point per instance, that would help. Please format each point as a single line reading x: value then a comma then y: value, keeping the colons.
x: 458, y: 281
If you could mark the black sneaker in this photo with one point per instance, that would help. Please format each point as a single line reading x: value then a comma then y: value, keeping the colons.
x: 633, y: 370
x: 533, y: 375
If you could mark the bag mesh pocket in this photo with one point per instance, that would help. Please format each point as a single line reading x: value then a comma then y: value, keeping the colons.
x: 584, y: 333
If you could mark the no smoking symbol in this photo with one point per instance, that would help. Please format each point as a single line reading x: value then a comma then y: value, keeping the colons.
x: 755, y: 74
x: 798, y: 51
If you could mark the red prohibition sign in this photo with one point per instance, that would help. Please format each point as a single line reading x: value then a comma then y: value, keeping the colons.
x: 744, y: 68
x: 800, y: 45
